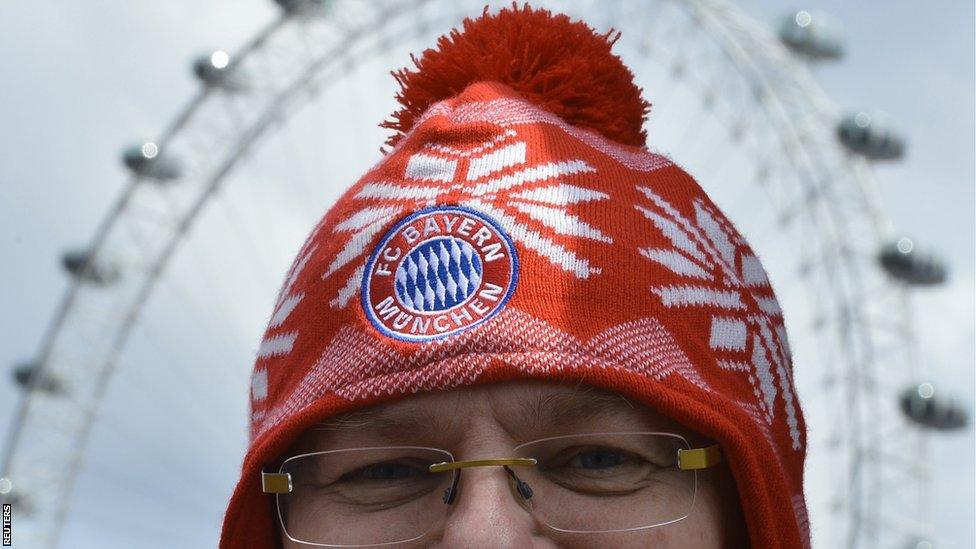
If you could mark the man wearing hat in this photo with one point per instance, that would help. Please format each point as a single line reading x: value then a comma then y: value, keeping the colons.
x: 521, y: 328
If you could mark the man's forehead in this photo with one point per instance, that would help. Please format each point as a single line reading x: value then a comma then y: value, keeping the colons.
x: 529, y: 405
x: 533, y: 398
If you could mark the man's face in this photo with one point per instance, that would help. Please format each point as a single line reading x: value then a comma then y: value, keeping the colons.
x: 487, y: 421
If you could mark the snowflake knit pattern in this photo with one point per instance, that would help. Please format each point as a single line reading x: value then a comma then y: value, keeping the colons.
x: 519, y: 229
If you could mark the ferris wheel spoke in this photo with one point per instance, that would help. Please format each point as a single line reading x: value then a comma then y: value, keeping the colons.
x: 216, y: 313
x: 136, y: 532
x: 192, y: 411
x: 192, y: 476
x: 297, y: 177
x: 135, y: 527
x: 652, y: 18
x: 193, y: 382
x: 819, y: 218
x: 254, y: 249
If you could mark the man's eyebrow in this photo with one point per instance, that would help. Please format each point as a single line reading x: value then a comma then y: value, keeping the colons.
x: 564, y: 408
x: 553, y: 409
x: 367, y: 418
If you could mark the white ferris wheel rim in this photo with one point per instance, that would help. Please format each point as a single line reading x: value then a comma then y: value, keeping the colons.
x: 747, y: 45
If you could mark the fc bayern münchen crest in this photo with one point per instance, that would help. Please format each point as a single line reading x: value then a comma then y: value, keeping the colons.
x: 438, y: 272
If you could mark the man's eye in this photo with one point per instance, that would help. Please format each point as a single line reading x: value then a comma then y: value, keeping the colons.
x: 389, y: 470
x: 601, y: 458
x: 592, y: 458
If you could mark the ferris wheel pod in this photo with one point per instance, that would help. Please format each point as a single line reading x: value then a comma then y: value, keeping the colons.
x: 216, y: 70
x: 81, y: 265
x: 812, y: 34
x: 903, y: 260
x: 146, y: 160
x: 20, y: 504
x: 871, y: 136
x: 303, y: 7
x: 919, y: 543
x: 29, y: 377
x: 923, y: 406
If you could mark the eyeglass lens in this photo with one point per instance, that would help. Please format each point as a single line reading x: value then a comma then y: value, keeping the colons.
x: 581, y: 483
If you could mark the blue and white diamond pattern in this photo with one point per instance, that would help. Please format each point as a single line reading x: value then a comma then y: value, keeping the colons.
x: 438, y: 275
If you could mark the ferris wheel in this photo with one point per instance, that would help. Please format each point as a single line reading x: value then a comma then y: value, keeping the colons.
x: 735, y: 103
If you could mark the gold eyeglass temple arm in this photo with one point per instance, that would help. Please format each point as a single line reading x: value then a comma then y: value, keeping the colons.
x: 280, y: 483
x: 451, y: 465
x: 688, y: 460
x: 699, y: 458
x: 276, y: 483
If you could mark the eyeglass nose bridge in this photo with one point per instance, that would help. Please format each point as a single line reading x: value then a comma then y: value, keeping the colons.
x: 522, y: 488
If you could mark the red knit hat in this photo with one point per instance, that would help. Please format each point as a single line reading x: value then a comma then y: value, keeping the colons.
x: 520, y: 229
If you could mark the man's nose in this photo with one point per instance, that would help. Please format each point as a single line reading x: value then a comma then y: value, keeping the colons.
x: 487, y: 513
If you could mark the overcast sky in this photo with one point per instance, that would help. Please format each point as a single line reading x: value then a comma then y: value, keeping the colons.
x: 80, y: 80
